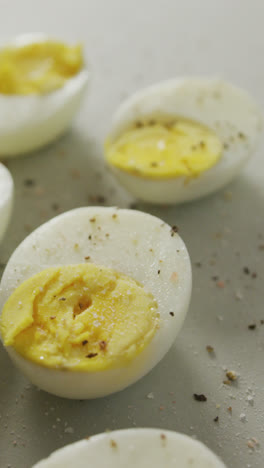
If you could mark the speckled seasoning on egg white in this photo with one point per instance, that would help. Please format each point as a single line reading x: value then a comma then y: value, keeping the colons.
x: 6, y: 198
x: 228, y: 112
x: 143, y: 447
x: 133, y: 243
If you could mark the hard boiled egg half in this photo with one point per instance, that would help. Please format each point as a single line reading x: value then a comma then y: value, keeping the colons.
x: 42, y: 84
x: 6, y: 198
x: 143, y: 448
x: 92, y: 300
x: 182, y: 139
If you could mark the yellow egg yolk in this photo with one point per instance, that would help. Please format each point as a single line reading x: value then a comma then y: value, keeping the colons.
x: 165, y: 149
x: 38, y: 68
x: 81, y: 317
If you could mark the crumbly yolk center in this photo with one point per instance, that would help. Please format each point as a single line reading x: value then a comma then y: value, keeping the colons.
x: 38, y: 68
x: 165, y: 149
x: 81, y: 317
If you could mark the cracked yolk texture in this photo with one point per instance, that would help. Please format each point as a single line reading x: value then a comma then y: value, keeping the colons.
x: 38, y: 68
x: 160, y: 150
x: 82, y: 317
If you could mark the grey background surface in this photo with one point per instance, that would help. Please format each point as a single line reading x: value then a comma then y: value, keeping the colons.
x: 130, y: 44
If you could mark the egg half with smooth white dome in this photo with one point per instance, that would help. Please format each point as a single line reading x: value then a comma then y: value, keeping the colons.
x: 6, y: 198
x: 141, y: 447
x: 182, y: 139
x: 93, y: 299
x: 42, y: 85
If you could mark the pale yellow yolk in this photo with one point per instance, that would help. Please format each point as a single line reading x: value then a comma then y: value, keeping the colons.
x: 160, y: 149
x: 38, y: 68
x: 81, y: 317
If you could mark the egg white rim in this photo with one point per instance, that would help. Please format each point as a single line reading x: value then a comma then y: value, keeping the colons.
x: 126, y: 437
x: 6, y: 192
x: 134, y: 101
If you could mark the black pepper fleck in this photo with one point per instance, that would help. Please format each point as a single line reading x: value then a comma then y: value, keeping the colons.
x: 29, y: 182
x: 103, y: 345
x: 55, y: 206
x: 174, y: 230
x: 100, y: 199
x: 199, y: 397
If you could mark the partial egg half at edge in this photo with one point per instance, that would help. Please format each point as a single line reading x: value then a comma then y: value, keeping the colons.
x: 182, y: 139
x: 31, y: 118
x: 6, y: 198
x: 143, y: 447
x: 93, y: 299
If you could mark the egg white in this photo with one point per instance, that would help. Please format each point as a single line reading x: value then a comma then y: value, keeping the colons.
x: 143, y: 448
x: 224, y: 108
x: 6, y: 198
x: 32, y: 121
x: 65, y: 240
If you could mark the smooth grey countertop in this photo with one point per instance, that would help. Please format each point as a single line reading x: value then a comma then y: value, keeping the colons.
x: 130, y: 45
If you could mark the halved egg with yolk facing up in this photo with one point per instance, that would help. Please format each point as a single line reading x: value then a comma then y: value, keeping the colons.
x: 93, y: 299
x: 42, y: 85
x: 182, y: 139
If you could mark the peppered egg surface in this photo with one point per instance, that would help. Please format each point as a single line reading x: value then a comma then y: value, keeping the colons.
x: 144, y: 448
x: 92, y: 300
x: 182, y: 139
